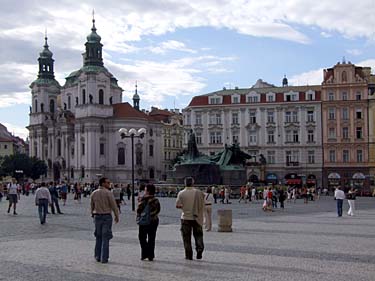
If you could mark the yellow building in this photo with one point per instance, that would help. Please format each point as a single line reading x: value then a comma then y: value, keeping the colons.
x: 6, y: 146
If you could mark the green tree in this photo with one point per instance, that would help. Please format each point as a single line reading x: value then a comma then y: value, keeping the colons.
x: 38, y: 168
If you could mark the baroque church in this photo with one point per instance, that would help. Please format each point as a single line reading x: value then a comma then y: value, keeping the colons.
x: 74, y: 128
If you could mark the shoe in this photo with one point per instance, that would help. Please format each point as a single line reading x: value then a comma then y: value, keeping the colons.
x: 61, y: 213
x: 189, y: 258
x: 14, y: 213
x: 143, y: 258
x: 104, y: 261
x: 97, y: 259
x: 199, y: 255
x: 150, y: 259
x: 8, y: 210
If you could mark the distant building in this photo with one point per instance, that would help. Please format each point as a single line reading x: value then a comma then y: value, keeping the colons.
x: 10, y: 144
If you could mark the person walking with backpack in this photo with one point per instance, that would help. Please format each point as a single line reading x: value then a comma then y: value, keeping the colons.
x: 148, y: 221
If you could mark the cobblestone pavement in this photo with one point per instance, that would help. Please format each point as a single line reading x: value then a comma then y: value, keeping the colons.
x: 302, y: 242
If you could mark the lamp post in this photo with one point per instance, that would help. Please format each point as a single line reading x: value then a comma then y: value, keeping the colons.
x: 132, y: 133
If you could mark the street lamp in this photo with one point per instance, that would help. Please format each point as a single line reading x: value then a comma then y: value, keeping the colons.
x: 132, y: 133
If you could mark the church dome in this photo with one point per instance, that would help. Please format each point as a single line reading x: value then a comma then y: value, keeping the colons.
x: 93, y: 37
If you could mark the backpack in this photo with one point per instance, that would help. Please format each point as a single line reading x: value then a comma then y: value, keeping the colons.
x: 144, y: 218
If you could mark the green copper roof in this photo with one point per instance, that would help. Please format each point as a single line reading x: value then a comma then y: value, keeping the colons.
x: 43, y: 81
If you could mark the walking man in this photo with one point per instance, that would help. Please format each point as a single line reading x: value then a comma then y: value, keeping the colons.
x: 42, y: 199
x: 191, y: 202
x: 102, y: 205
x: 55, y: 198
x: 351, y: 201
x: 339, y: 196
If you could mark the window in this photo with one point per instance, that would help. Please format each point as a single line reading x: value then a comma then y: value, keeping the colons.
x: 359, y: 156
x: 5, y: 146
x: 188, y: 119
x: 270, y: 117
x: 101, y: 149
x: 58, y: 147
x: 83, y: 96
x: 295, y: 136
x: 151, y: 132
x: 252, y: 99
x: 152, y: 173
x: 69, y: 102
x: 139, y: 156
x: 331, y: 133
x: 235, y: 139
x: 358, y: 96
x: 198, y: 137
x: 331, y: 96
x: 83, y: 172
x: 52, y: 106
x: 288, y: 135
x: 82, y: 148
x: 252, y: 138
x: 215, y: 137
x: 295, y: 116
x: 270, y: 98
x: 331, y: 113
x: 344, y: 77
x: 271, y: 136
x: 151, y: 150
x: 72, y: 173
x: 359, y: 132
x: 121, y: 156
x: 218, y: 118
x: 345, y: 156
x: 198, y: 119
x: 215, y: 100
x: 310, y: 136
x: 345, y: 113
x: 332, y: 156
x: 291, y: 97
x: 72, y: 151
x: 271, y: 157
x: 358, y: 113
x: 235, y: 99
x: 36, y: 105
x: 310, y: 116
x: 288, y: 117
x: 310, y: 95
x: 235, y: 118
x: 311, y: 156
x: 101, y: 96
x: 253, y: 118
x: 344, y: 96
x: 288, y: 156
x: 345, y: 133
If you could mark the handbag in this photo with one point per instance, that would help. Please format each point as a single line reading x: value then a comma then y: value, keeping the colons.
x: 144, y: 218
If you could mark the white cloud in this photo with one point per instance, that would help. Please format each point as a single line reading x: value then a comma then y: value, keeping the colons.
x: 171, y: 45
x: 354, y: 52
x: 325, y: 34
x: 18, y: 131
x: 313, y: 77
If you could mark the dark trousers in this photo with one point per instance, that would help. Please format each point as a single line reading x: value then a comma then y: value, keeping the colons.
x: 188, y: 226
x: 147, y: 235
x: 55, y: 202
x: 282, y: 204
x: 103, y: 233
x: 42, y: 210
x: 339, y: 207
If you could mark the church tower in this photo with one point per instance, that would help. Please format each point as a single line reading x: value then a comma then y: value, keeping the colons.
x: 136, y: 98
x: 44, y: 90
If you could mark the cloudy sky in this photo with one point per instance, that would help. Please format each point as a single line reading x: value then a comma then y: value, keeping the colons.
x: 176, y: 49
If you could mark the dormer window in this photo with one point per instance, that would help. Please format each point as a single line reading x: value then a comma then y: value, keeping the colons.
x: 236, y: 99
x: 215, y: 100
x: 252, y: 97
x: 310, y: 95
x: 271, y: 97
x: 291, y: 96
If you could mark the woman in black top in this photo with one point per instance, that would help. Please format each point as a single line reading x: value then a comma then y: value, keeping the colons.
x: 147, y: 218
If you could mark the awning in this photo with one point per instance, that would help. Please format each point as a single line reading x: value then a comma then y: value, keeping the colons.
x: 359, y: 176
x: 334, y: 176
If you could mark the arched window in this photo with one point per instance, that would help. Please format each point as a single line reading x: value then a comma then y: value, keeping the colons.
x: 151, y: 150
x: 121, y: 156
x: 82, y: 172
x: 344, y: 77
x: 72, y: 173
x: 36, y: 105
x: 58, y: 147
x: 41, y: 107
x: 52, y: 106
x: 69, y: 102
x: 101, y: 96
x: 83, y: 96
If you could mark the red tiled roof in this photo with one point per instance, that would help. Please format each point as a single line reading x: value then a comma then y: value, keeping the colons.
x: 160, y: 112
x: 2, y: 139
x: 125, y: 110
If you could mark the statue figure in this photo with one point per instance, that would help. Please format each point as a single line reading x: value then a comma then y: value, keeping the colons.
x: 262, y: 159
x: 192, y: 146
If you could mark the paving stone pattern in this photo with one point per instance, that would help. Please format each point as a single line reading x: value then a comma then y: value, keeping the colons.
x: 302, y: 242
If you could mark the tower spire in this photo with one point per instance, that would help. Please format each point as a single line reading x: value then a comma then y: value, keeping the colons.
x: 136, y: 97
x: 93, y: 54
x: 93, y: 20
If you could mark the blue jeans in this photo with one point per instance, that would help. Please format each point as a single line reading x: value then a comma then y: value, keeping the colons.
x: 103, y: 233
x: 42, y: 209
x: 339, y: 207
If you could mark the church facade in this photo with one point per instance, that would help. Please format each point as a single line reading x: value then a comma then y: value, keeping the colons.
x: 74, y: 127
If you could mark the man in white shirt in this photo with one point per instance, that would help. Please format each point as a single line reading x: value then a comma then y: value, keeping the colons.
x: 339, y: 196
x: 42, y: 199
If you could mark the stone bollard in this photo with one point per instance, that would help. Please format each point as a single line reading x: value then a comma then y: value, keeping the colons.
x: 224, y: 220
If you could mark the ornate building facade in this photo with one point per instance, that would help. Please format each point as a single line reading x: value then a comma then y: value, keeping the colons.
x: 74, y: 127
x: 279, y: 124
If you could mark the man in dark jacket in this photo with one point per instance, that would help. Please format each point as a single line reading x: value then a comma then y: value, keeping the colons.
x: 55, y: 198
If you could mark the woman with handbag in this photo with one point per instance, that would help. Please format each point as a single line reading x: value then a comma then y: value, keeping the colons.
x: 148, y: 221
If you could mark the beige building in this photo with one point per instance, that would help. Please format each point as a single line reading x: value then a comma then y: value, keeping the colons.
x: 6, y: 146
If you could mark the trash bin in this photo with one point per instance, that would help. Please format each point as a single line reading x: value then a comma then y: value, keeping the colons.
x: 224, y: 220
